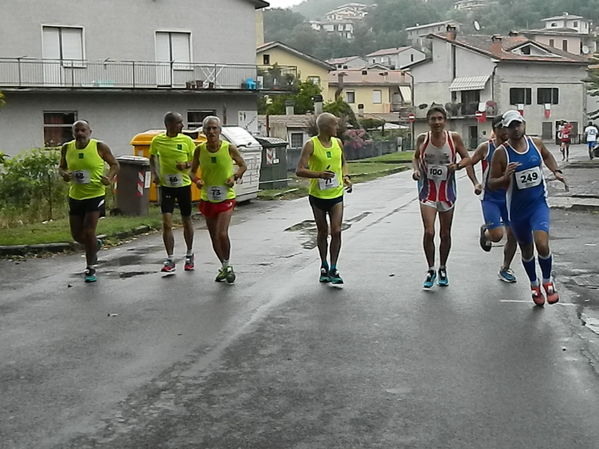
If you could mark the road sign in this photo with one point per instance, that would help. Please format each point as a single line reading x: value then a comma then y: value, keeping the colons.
x: 411, y: 117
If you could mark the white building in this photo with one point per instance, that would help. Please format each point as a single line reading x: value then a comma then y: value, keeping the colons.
x: 342, y: 20
x: 493, y: 74
x: 567, y: 32
x: 417, y: 35
x: 395, y: 58
x: 122, y: 71
x: 349, y: 62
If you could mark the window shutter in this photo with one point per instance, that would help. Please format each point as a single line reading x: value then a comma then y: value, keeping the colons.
x: 72, y: 43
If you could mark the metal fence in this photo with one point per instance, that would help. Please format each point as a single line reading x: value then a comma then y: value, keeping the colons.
x: 27, y: 72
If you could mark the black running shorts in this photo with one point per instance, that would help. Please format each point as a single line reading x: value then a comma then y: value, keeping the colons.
x: 81, y: 207
x: 324, y: 204
x: 182, y: 195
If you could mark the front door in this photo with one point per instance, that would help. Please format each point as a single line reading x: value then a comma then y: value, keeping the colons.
x: 472, y: 137
x: 547, y: 131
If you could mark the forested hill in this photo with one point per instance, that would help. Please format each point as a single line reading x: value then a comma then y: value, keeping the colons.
x: 387, y: 21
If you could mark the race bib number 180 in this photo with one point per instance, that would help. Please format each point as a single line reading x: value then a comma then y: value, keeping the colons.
x: 81, y: 177
x: 526, y: 179
x: 327, y: 184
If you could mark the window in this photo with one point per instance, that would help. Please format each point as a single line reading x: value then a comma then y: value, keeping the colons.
x: 297, y: 140
x: 547, y: 95
x: 58, y: 127
x: 173, y: 47
x: 553, y: 24
x: 64, y: 44
x: 552, y: 43
x: 196, y: 117
x: 350, y: 97
x: 377, y: 97
x: 266, y: 59
x: 575, y: 24
x: 525, y: 50
x: 314, y: 80
x: 565, y: 45
x: 520, y: 95
x: 470, y: 100
x: 412, y: 57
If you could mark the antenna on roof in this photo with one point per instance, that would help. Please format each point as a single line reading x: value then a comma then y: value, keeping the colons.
x: 585, y: 50
x: 476, y: 25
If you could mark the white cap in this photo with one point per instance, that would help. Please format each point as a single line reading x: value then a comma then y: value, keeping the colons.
x: 511, y: 116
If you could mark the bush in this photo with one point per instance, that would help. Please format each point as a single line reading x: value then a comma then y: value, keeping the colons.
x: 30, y: 187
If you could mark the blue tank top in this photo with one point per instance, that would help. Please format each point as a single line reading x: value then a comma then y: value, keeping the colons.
x: 497, y: 195
x: 527, y: 187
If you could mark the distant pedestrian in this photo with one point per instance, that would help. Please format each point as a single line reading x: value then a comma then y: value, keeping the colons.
x: 435, y: 163
x: 590, y: 133
x: 322, y: 160
x: 565, y: 140
x: 82, y: 164
x: 174, y: 152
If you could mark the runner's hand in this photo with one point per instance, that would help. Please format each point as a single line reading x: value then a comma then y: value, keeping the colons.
x: 348, y: 184
x: 199, y: 183
x: 182, y: 166
x: 452, y: 168
x: 67, y: 176
x: 510, y: 169
x: 559, y: 177
x: 416, y: 175
x: 478, y: 189
x: 326, y: 174
x: 105, y: 180
x: 230, y: 182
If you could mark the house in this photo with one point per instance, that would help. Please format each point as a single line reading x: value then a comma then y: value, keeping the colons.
x: 487, y: 75
x: 294, y: 128
x: 309, y: 68
x: 371, y: 91
x: 567, y: 32
x: 395, y: 58
x: 349, y: 62
x: 65, y: 63
x: 417, y: 35
x: 342, y: 20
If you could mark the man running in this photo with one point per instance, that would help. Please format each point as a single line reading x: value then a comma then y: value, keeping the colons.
x: 518, y: 166
x: 591, y: 132
x: 215, y: 157
x: 434, y: 165
x: 82, y: 163
x: 493, y: 202
x: 174, y: 152
x: 322, y: 161
x: 565, y: 139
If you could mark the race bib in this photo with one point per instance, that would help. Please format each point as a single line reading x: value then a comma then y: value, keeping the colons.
x: 437, y: 172
x: 328, y: 184
x: 81, y: 177
x: 216, y: 194
x: 175, y: 180
x: 526, y: 179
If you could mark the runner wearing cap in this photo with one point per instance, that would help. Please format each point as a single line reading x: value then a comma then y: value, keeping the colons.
x: 518, y: 166
x: 493, y: 202
x: 434, y: 165
x: 591, y: 132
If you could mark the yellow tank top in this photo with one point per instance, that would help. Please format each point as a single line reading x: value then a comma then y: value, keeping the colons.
x: 216, y: 168
x: 324, y: 159
x: 87, y: 168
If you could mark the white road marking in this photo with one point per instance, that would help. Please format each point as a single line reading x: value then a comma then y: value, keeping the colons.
x: 530, y: 302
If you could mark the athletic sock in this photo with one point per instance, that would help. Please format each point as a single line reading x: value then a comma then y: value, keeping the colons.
x: 169, y: 257
x: 225, y: 263
x: 546, y: 263
x: 325, y: 265
x: 530, y: 267
x: 189, y: 253
x: 333, y: 268
x: 431, y: 269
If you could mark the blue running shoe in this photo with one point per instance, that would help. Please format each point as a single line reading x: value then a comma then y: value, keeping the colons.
x: 507, y: 275
x: 324, y: 275
x: 430, y: 279
x: 335, y: 277
x: 443, y: 281
x: 90, y: 275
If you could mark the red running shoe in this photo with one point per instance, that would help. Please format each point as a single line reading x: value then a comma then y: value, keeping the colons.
x: 552, y: 295
x: 537, y: 295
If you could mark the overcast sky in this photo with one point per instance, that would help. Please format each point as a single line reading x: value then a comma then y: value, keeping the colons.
x: 283, y: 3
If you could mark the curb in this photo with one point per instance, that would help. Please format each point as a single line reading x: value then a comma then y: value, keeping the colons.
x: 24, y: 250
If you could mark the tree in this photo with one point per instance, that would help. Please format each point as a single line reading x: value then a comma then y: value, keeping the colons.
x: 2, y: 102
x: 593, y: 86
x: 303, y: 99
x: 279, y: 22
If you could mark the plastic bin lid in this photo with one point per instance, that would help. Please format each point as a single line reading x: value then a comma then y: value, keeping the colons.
x: 145, y: 138
x: 134, y: 160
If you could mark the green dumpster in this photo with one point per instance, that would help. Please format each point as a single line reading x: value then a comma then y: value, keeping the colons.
x: 273, y: 169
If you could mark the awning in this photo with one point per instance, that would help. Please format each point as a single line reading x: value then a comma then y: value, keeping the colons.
x: 406, y: 94
x: 469, y: 83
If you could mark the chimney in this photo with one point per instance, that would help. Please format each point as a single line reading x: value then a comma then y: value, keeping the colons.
x: 496, y: 44
x: 317, y: 105
x: 289, y: 107
x: 452, y: 32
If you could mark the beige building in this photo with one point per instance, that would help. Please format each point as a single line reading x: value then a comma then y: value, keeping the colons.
x: 567, y: 32
x: 309, y: 68
x: 371, y: 91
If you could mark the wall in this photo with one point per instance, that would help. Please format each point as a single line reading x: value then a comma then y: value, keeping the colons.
x: 114, y: 117
x: 363, y: 95
x: 573, y: 42
x: 129, y: 34
x: 405, y: 57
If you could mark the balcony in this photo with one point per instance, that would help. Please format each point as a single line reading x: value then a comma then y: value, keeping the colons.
x: 18, y: 73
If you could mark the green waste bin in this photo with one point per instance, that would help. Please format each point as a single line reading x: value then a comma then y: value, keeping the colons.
x: 273, y: 168
x: 133, y: 185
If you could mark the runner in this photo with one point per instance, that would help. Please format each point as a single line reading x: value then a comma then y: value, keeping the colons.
x: 434, y: 166
x: 82, y: 164
x: 518, y: 166
x: 591, y: 132
x: 322, y: 161
x: 565, y: 139
x: 493, y: 202
x: 215, y: 158
x: 174, y: 152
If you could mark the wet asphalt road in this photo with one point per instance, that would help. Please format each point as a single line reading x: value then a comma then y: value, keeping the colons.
x: 280, y: 361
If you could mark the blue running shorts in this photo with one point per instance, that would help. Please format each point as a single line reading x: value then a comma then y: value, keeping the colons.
x: 495, y: 214
x: 535, y: 218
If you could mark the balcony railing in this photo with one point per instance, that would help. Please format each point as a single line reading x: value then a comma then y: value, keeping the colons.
x: 107, y: 74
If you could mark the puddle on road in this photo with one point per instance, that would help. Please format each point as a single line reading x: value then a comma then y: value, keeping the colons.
x: 307, y: 229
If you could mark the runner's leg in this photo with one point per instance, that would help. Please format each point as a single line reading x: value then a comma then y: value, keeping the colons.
x: 428, y: 215
x: 445, y: 221
x: 509, y: 250
x: 167, y: 233
x: 322, y: 227
x: 223, y: 221
x: 336, y: 217
x: 90, y: 222
x: 188, y: 232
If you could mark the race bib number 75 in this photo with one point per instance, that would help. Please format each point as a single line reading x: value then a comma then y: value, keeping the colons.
x: 526, y: 179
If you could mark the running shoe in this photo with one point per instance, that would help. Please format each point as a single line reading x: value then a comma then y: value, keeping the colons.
x: 552, y: 296
x: 168, y: 266
x: 443, y: 281
x: 537, y: 295
x: 189, y: 265
x: 430, y: 279
x: 324, y: 275
x: 229, y: 274
x: 90, y: 275
x: 507, y: 275
x: 335, y: 277
x: 222, y: 275
x: 484, y: 243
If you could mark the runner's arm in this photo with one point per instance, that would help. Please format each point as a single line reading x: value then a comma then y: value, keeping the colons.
x: 478, y: 156
x: 345, y: 168
x: 63, y: 169
x: 302, y: 170
x: 106, y: 154
x: 416, y: 158
x: 195, y: 164
x: 501, y: 172
x: 241, y: 165
x: 462, y: 151
x: 153, y: 169
x: 549, y: 160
